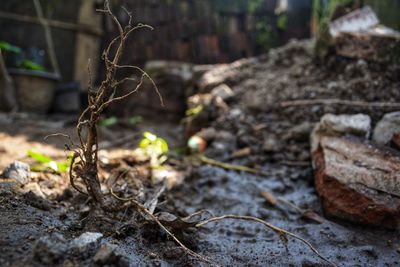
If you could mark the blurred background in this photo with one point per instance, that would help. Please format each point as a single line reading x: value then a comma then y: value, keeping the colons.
x: 59, y: 37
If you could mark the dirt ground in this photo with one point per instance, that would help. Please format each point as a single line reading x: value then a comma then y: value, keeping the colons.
x: 278, y: 139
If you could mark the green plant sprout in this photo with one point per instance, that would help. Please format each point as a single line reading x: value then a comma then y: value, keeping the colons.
x: 155, y: 148
x: 47, y: 163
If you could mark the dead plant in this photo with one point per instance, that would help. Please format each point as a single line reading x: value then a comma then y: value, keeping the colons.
x: 85, y: 159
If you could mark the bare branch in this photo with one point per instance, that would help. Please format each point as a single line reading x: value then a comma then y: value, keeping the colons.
x: 150, y: 79
x: 105, y: 104
x: 129, y: 15
x: 363, y: 104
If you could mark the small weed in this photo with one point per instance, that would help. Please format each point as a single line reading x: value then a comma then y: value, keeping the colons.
x: 48, y: 164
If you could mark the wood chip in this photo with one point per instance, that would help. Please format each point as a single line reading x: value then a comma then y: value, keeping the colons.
x: 241, y: 152
x: 269, y: 198
x: 312, y: 216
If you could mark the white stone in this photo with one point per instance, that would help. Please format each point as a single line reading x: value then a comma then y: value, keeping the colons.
x: 340, y: 125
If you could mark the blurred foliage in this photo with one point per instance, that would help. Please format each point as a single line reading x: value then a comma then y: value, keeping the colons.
x: 322, y: 14
x: 7, y: 47
x: 254, y: 5
x: 388, y: 12
x: 282, y: 21
x: 135, y: 120
x: 30, y: 65
x: 265, y: 35
x: 108, y: 122
x: 48, y: 164
x: 22, y: 63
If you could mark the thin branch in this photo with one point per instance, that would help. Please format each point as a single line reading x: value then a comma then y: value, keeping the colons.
x: 363, y: 104
x: 107, y: 103
x: 278, y: 230
x: 148, y: 77
x: 228, y: 166
x: 62, y: 135
x: 129, y: 15
x: 169, y: 233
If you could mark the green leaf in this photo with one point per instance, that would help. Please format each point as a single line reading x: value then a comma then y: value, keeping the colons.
x: 108, y: 122
x: 9, y: 47
x: 163, y: 145
x: 48, y: 163
x: 144, y: 143
x: 62, y: 167
x: 30, y: 65
x: 39, y: 157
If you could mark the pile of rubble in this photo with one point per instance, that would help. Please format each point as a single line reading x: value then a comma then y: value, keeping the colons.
x: 264, y: 110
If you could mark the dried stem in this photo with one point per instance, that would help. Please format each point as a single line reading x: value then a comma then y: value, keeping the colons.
x: 278, y: 230
x: 146, y: 213
x: 361, y: 104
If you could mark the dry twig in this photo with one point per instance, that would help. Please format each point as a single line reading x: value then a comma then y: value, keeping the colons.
x: 362, y: 104
x: 278, y: 230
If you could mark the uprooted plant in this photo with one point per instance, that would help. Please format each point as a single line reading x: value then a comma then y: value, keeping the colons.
x: 84, y: 162
x: 85, y: 159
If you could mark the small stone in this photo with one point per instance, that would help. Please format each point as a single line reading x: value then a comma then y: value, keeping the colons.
x: 18, y: 171
x: 50, y: 250
x: 85, y: 242
x: 223, y: 91
x: 109, y: 254
x: 300, y: 132
x: 340, y: 125
x: 271, y: 144
x: 386, y: 128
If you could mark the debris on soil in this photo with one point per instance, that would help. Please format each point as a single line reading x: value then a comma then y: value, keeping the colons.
x: 269, y: 198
